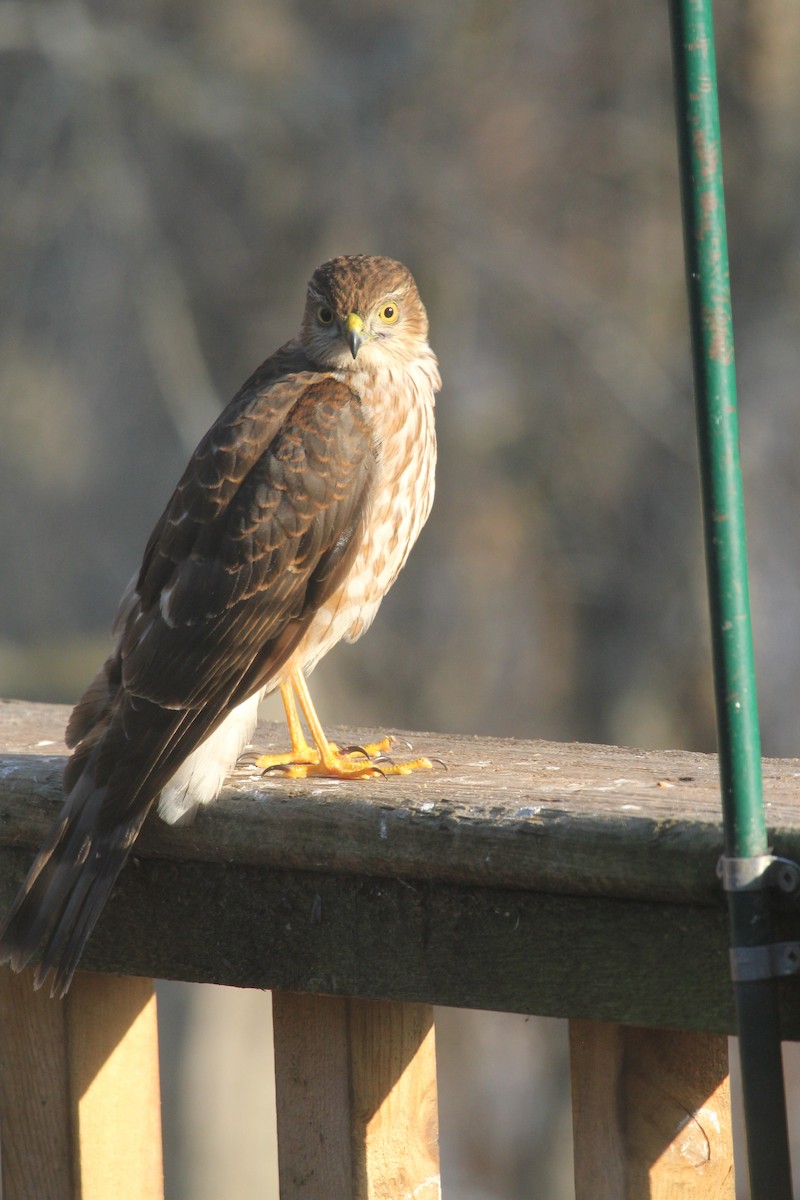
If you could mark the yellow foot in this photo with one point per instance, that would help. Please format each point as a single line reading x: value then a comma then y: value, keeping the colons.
x: 349, y: 762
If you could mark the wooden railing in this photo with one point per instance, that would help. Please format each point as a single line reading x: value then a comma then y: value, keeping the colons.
x: 566, y: 880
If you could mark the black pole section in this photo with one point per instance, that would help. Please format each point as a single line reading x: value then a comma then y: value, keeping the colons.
x: 703, y: 200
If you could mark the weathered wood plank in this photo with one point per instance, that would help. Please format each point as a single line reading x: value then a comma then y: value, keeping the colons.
x: 533, y: 877
x: 564, y: 816
x: 567, y: 817
x: 485, y: 948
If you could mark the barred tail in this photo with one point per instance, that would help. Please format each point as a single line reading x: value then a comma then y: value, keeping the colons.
x: 64, y: 893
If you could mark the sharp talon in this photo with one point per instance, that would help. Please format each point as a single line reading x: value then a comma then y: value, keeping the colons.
x: 369, y: 761
x: 441, y: 763
x: 355, y: 750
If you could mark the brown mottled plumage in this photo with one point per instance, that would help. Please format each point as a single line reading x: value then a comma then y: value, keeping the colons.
x: 288, y: 526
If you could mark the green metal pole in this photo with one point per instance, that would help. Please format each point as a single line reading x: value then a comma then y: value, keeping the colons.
x: 703, y: 200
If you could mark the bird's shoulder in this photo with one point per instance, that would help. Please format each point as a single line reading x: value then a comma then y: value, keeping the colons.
x: 274, y: 442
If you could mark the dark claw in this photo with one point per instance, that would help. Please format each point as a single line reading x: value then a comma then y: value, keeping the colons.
x: 355, y: 750
x: 280, y: 767
x: 440, y: 761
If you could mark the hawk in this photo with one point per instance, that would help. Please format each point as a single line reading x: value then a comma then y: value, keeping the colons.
x: 290, y: 523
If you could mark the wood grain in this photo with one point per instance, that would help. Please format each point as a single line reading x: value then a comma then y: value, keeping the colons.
x: 395, y: 1117
x: 566, y: 817
x: 532, y: 877
x: 80, y: 1109
x: 651, y: 1114
x: 34, y: 1093
x: 312, y: 1091
x: 356, y: 1098
x: 115, y: 1101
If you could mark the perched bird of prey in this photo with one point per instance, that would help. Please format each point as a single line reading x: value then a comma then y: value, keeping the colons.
x: 289, y: 525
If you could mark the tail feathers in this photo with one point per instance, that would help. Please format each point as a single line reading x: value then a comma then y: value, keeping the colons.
x: 66, y: 889
x: 120, y: 765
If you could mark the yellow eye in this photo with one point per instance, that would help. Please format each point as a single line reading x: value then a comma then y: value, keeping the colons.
x: 389, y: 313
x: 324, y: 315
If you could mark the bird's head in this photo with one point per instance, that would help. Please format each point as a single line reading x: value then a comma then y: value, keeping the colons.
x: 363, y: 312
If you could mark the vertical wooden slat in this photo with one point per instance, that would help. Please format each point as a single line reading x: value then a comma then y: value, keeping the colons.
x: 34, y: 1094
x: 114, y: 1087
x: 651, y: 1114
x: 356, y: 1099
x: 395, y: 1111
x: 312, y: 1096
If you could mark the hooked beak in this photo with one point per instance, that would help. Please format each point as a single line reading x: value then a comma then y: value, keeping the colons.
x: 354, y: 333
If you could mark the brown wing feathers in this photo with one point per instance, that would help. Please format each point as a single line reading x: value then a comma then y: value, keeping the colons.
x: 259, y: 531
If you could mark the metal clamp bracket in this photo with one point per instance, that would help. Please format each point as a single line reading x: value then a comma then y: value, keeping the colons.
x: 773, y: 961
x: 761, y: 871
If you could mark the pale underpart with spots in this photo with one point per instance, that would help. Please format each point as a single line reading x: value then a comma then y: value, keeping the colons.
x: 289, y: 525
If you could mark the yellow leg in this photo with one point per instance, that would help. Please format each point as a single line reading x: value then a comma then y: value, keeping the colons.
x: 324, y: 757
x: 300, y: 747
x: 300, y: 752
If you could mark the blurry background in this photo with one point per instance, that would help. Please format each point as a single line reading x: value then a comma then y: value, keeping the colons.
x: 170, y: 175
